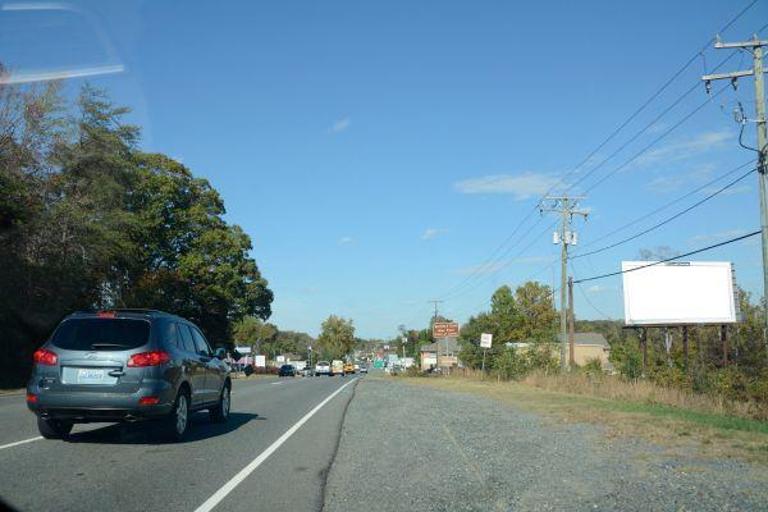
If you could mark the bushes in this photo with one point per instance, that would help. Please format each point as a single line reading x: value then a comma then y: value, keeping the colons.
x: 515, y: 364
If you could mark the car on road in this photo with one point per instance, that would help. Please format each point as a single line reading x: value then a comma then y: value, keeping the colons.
x: 337, y: 367
x: 307, y: 371
x: 127, y: 365
x: 286, y: 370
x: 363, y: 368
x: 322, y: 368
x: 349, y: 369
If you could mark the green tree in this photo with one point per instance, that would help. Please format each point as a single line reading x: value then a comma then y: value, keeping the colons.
x: 337, y: 338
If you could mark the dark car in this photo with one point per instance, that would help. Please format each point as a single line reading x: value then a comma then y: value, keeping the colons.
x: 286, y: 370
x: 126, y: 365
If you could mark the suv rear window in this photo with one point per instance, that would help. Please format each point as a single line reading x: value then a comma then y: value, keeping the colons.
x: 101, y: 334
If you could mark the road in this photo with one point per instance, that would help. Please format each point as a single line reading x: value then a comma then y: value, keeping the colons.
x: 274, y: 453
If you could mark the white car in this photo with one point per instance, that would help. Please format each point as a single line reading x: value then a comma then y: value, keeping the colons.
x: 322, y: 368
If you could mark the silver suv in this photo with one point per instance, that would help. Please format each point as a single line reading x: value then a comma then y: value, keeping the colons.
x: 126, y: 365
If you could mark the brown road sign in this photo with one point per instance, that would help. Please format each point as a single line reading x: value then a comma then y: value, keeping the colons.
x: 445, y: 330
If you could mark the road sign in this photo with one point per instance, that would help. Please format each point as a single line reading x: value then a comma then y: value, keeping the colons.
x: 486, y: 340
x: 260, y: 361
x: 445, y: 330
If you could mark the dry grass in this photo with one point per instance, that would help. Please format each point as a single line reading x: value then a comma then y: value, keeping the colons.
x: 644, y: 391
x: 625, y: 413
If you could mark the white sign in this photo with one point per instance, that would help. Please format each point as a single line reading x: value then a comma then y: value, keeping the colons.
x: 679, y: 293
x: 243, y: 350
x: 486, y: 340
x: 260, y: 361
x: 280, y: 359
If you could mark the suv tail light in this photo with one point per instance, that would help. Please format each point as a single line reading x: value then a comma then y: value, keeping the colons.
x: 45, y: 357
x: 152, y: 358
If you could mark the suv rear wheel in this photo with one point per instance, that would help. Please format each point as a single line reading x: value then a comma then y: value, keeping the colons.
x: 220, y: 413
x: 54, y: 429
x: 178, y: 421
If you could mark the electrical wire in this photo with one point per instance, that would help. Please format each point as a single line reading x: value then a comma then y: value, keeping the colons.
x: 691, y: 253
x: 668, y: 219
x: 492, y: 260
x: 655, y: 141
x: 668, y: 204
x: 586, y: 297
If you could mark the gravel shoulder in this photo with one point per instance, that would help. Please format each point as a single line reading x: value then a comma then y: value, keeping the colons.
x: 407, y: 447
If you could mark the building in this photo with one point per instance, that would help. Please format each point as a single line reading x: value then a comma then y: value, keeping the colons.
x: 449, y: 353
x: 588, y: 346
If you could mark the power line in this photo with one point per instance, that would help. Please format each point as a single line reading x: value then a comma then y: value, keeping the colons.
x: 656, y: 140
x: 697, y: 251
x: 668, y: 219
x: 668, y: 204
x: 492, y: 259
x: 504, y: 265
x: 586, y: 297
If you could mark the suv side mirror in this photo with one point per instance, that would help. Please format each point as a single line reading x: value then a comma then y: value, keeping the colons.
x: 220, y: 353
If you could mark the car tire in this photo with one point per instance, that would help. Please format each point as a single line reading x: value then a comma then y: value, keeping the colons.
x: 220, y: 413
x: 54, y: 429
x: 177, y: 423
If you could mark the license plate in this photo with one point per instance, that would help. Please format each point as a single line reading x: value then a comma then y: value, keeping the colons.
x: 91, y: 376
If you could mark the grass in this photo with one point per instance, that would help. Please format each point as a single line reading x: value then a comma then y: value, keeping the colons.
x: 691, y: 430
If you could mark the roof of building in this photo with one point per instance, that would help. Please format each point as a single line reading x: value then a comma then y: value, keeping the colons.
x: 588, y: 338
x: 446, y: 345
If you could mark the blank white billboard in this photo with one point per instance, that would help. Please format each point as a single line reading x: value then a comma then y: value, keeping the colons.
x: 679, y: 293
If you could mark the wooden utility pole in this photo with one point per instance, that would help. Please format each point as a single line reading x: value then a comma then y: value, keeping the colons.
x: 755, y: 47
x: 437, y: 342
x: 566, y: 206
x: 572, y: 325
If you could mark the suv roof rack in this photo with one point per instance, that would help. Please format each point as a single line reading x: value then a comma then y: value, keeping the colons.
x: 126, y: 310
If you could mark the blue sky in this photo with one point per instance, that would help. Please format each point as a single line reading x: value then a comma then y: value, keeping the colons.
x: 378, y: 153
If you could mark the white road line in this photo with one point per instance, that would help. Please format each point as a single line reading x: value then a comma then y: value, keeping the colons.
x: 276, y: 383
x: 228, y: 487
x: 17, y: 443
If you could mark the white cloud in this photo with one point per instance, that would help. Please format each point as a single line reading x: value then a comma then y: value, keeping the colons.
x: 684, y: 149
x: 716, y: 237
x: 521, y: 186
x: 672, y: 182
x: 491, y: 267
x: 341, y: 125
x: 741, y: 189
x: 431, y: 233
x: 597, y: 288
x: 345, y: 240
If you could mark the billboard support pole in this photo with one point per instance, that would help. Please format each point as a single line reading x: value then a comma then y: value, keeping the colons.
x: 724, y: 341
x: 685, y: 348
x: 644, y: 342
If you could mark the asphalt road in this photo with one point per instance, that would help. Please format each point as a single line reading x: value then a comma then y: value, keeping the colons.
x: 274, y: 453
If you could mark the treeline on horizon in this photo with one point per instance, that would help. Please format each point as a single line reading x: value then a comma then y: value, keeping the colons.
x: 89, y: 221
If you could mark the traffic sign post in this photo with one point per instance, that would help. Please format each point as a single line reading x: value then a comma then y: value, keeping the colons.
x: 486, y: 340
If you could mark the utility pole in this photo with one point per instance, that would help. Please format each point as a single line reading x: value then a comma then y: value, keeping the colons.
x: 572, y: 325
x: 437, y: 342
x: 566, y: 206
x: 755, y: 47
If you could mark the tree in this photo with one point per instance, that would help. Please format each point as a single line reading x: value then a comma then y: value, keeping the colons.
x: 254, y: 332
x: 537, y: 313
x: 337, y: 338
x: 89, y: 221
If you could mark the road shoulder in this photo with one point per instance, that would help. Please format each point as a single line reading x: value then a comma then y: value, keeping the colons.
x: 417, y: 448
